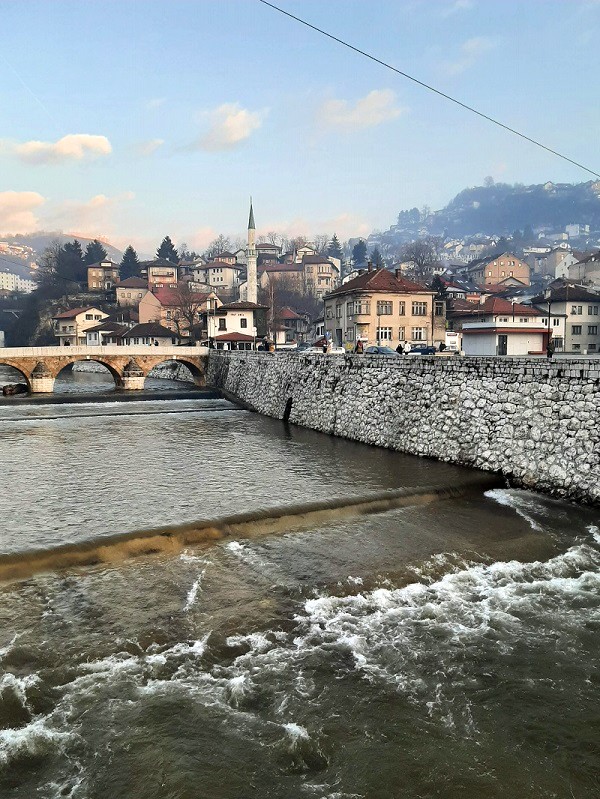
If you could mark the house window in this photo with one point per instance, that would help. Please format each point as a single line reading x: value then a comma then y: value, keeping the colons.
x: 592, y: 310
x: 576, y: 330
x: 523, y: 319
x: 592, y: 330
x: 349, y: 308
x: 489, y: 274
x: 419, y: 309
x: 89, y: 316
x: 419, y: 334
x: 222, y: 324
x: 362, y: 307
x: 555, y: 322
x: 576, y: 309
x: 439, y: 308
x: 576, y: 347
x: 168, y: 316
x: 401, y: 334
x: 97, y: 316
x: 401, y: 308
x: 329, y: 313
x: 384, y: 334
x: 243, y: 323
x: 338, y: 311
x: 384, y: 308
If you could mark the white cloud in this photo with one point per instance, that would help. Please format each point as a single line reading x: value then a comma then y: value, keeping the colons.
x: 229, y: 126
x: 146, y: 148
x: 457, y: 6
x: 90, y: 218
x: 470, y: 52
x: 73, y: 147
x: 17, y: 211
x: 376, y: 107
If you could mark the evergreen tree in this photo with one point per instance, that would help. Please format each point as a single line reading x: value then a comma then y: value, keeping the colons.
x: 438, y: 286
x: 376, y: 258
x: 130, y: 265
x: 71, y: 256
x: 359, y: 253
x: 94, y: 253
x: 167, y: 251
x: 334, y: 250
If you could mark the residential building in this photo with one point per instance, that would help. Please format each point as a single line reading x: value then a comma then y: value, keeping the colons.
x: 167, y: 307
x: 107, y: 332
x: 222, y: 276
x: 503, y: 268
x: 321, y: 275
x: 380, y: 307
x: 70, y: 326
x: 575, y: 317
x: 236, y: 325
x: 291, y: 326
x: 11, y: 282
x: 130, y: 291
x: 500, y: 327
x: 103, y: 275
x: 159, y: 273
x: 150, y: 334
x: 587, y: 270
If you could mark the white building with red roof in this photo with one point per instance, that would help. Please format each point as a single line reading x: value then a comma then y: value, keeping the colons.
x: 70, y: 326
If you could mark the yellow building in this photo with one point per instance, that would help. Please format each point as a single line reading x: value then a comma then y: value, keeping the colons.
x: 503, y: 268
x: 380, y: 307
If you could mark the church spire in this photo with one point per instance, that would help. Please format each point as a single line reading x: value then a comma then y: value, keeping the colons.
x: 251, y: 225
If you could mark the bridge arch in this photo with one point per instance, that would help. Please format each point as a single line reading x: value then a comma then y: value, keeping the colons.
x: 115, y: 374
x: 198, y: 373
x: 22, y: 373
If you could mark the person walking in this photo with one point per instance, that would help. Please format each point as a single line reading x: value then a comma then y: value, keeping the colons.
x: 549, y: 349
x: 400, y: 349
x: 359, y: 348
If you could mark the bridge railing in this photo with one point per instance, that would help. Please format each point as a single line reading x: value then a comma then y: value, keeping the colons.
x: 110, y: 349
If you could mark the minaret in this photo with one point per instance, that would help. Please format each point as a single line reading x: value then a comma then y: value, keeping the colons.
x: 251, y: 290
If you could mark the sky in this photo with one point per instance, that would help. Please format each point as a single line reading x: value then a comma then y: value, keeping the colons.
x: 134, y: 119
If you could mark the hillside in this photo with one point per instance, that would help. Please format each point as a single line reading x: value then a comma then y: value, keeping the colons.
x: 39, y: 240
x: 500, y: 208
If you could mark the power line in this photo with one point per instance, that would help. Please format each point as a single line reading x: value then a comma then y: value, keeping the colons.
x: 430, y: 88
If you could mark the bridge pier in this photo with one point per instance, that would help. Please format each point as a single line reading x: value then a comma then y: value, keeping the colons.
x: 133, y: 377
x: 41, y: 381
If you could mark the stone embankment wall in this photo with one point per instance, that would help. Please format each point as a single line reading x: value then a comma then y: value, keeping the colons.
x: 166, y: 371
x: 534, y: 421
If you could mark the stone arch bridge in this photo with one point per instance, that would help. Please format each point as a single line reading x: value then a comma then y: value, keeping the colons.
x: 129, y: 366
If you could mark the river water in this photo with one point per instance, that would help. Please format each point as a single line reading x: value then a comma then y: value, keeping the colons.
x: 447, y: 649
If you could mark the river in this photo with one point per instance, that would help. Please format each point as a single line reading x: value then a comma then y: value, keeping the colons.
x: 443, y: 649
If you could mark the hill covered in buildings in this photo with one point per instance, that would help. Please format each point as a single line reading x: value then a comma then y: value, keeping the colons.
x: 498, y: 209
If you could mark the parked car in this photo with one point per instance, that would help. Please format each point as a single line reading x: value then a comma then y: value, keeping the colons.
x: 381, y: 351
x: 331, y: 351
x: 422, y: 350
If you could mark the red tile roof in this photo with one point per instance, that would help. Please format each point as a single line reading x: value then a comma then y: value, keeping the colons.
x: 133, y: 283
x: 234, y: 337
x: 75, y: 312
x: 168, y: 297
x: 380, y: 280
x: 287, y: 313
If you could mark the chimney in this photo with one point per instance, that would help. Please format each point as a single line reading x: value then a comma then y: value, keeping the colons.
x: 369, y: 266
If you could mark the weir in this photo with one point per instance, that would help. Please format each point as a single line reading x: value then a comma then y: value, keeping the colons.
x: 174, y: 538
x: 533, y: 421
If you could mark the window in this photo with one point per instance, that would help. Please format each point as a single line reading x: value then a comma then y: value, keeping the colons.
x: 89, y: 316
x: 502, y: 273
x: 511, y: 274
x: 419, y: 309
x: 384, y: 308
x: 523, y: 319
x: 338, y: 311
x: 329, y: 313
x: 243, y: 323
x: 361, y: 307
x: 168, y: 316
x: 489, y: 274
x: 384, y: 334
x: 439, y: 308
x: 129, y: 294
x: 349, y: 308
x: 419, y: 334
x: 97, y: 316
x: 555, y: 322
x: 576, y: 309
x: 576, y: 330
x: 576, y: 347
x: 503, y: 319
x: 64, y: 328
x: 401, y: 334
x: 592, y: 330
x: 592, y: 310
x: 401, y: 308
x: 222, y: 324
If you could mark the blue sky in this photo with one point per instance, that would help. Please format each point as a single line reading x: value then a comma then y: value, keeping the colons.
x: 133, y: 119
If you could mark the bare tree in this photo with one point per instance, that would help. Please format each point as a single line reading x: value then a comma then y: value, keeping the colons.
x: 321, y: 241
x: 423, y: 254
x: 273, y: 237
x: 220, y: 244
x: 186, y: 313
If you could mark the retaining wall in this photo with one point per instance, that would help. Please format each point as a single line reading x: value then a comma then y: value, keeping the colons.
x: 534, y: 421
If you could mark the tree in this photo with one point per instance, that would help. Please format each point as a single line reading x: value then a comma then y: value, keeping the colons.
x: 359, y: 252
x: 94, y: 253
x: 55, y: 274
x: 186, y: 313
x: 130, y: 265
x: 334, y: 250
x: 167, y: 251
x: 423, y: 254
x: 321, y: 241
x: 489, y: 182
x: 217, y: 246
x: 376, y: 258
x: 73, y: 261
x: 438, y: 286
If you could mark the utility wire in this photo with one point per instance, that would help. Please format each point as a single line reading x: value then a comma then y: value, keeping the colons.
x: 430, y: 88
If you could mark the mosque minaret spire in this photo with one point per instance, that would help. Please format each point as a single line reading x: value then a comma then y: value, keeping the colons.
x: 251, y: 258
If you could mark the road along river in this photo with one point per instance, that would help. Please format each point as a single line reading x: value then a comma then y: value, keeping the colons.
x: 446, y: 646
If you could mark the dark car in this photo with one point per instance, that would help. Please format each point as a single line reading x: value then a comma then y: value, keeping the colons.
x: 381, y: 351
x: 422, y: 350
